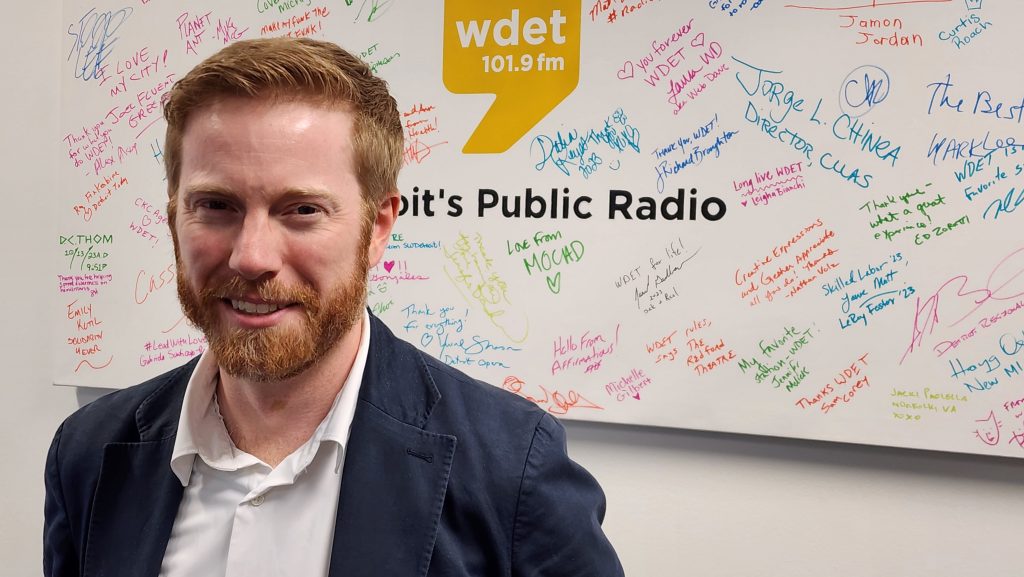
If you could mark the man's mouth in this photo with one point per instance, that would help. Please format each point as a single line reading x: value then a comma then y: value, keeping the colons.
x: 255, y: 308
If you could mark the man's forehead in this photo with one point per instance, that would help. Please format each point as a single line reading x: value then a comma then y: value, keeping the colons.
x: 239, y: 122
x: 229, y: 101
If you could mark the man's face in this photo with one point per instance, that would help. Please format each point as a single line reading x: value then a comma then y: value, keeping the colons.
x: 271, y: 239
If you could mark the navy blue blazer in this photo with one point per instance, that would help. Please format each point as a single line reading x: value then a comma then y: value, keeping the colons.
x: 444, y: 476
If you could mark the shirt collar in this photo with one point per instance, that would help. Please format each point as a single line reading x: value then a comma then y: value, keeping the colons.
x: 201, y: 430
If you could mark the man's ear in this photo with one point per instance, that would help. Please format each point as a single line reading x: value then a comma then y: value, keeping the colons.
x: 384, y: 220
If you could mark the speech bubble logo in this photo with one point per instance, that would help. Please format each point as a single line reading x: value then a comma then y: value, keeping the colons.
x: 526, y: 53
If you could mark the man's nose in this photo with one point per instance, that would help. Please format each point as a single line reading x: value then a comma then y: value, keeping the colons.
x: 257, y: 249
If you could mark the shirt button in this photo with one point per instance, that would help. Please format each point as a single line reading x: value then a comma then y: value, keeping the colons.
x: 257, y: 500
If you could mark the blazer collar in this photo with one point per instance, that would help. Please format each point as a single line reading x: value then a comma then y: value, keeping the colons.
x: 157, y: 415
x: 396, y: 380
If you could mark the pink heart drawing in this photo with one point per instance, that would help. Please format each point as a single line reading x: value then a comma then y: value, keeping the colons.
x: 743, y: 202
x: 626, y: 71
x: 388, y: 265
x: 698, y: 40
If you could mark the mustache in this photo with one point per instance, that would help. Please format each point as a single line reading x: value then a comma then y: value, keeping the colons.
x: 271, y: 290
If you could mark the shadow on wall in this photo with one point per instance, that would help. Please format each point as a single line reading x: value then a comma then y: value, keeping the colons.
x: 707, y: 446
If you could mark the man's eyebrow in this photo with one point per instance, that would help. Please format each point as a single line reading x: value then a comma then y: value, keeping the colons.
x: 196, y: 189
x: 304, y: 192
x: 288, y: 194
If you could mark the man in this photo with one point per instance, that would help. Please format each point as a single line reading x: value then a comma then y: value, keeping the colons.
x: 307, y: 440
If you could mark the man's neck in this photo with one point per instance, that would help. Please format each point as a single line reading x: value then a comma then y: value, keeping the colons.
x: 270, y: 420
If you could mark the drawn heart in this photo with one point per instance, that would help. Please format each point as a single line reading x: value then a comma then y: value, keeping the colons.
x: 636, y: 396
x: 743, y: 202
x: 626, y: 71
x: 388, y: 265
x: 698, y: 40
x: 555, y: 285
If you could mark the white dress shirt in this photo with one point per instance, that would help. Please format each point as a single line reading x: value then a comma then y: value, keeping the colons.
x: 238, y: 516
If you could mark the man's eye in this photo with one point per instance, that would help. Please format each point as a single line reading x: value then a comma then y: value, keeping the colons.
x: 213, y: 204
x: 306, y: 209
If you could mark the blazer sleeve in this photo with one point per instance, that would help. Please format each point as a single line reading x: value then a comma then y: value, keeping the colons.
x: 59, y: 557
x: 557, y: 529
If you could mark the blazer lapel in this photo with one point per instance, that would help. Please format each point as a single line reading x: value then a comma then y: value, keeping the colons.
x: 137, y: 495
x: 392, y: 490
x: 135, y: 505
x: 396, y: 473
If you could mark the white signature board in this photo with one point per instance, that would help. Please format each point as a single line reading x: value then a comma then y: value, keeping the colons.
x: 757, y: 217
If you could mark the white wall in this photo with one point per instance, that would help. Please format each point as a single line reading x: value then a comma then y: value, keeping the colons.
x: 680, y: 502
x: 30, y: 410
x: 709, y: 504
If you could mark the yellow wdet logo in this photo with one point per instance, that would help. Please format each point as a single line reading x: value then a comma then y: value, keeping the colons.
x: 525, y: 52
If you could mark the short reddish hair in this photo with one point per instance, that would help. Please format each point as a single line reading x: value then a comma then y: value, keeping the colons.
x: 294, y: 69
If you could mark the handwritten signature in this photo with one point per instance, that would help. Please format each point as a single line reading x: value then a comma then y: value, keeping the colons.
x: 1006, y: 204
x: 572, y: 149
x: 93, y: 41
x: 477, y: 346
x: 998, y: 287
x: 417, y: 151
x: 555, y: 403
